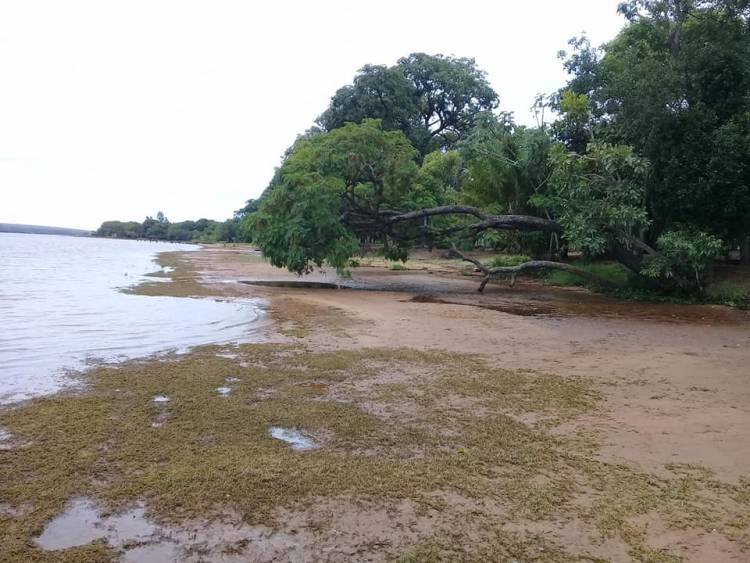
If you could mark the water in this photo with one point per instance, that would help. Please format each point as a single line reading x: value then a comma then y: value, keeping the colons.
x: 60, y: 309
x: 293, y: 437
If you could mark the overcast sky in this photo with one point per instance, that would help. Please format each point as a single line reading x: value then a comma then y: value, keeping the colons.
x: 119, y: 109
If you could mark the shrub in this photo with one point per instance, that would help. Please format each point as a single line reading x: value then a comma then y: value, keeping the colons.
x: 684, y: 260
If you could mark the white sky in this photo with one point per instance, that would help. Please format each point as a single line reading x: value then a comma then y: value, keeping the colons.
x: 118, y: 109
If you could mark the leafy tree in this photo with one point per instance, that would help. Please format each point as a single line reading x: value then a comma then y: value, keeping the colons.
x: 684, y: 260
x: 355, y: 170
x: 433, y: 99
x: 674, y: 85
x: 597, y: 197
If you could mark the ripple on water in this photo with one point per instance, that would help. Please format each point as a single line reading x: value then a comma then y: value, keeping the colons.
x: 62, y: 309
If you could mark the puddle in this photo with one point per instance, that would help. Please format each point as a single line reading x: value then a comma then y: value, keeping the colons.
x: 81, y: 524
x: 6, y: 440
x: 160, y: 419
x: 228, y: 355
x: 157, y: 553
x: 223, y: 391
x: 161, y: 399
x: 139, y: 540
x: 293, y: 437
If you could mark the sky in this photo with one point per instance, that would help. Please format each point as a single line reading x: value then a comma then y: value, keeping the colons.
x: 115, y: 109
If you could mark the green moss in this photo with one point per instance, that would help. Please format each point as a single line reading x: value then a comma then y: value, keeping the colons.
x: 183, y: 279
x: 463, y: 433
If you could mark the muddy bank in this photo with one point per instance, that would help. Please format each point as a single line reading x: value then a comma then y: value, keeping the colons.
x: 446, y: 426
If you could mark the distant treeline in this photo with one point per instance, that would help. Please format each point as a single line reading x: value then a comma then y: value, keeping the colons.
x: 41, y: 230
x: 160, y: 228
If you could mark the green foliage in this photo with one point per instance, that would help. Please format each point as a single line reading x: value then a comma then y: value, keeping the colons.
x: 732, y: 294
x: 684, y: 259
x: 596, y: 197
x: 502, y: 260
x: 202, y: 230
x: 324, y: 176
x: 439, y: 179
x: 505, y: 164
x: 674, y: 85
x: 613, y: 271
x: 432, y: 99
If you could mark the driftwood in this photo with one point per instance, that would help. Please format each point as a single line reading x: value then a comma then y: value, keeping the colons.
x: 532, y: 265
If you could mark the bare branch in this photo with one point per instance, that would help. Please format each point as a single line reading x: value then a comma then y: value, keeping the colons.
x: 532, y: 265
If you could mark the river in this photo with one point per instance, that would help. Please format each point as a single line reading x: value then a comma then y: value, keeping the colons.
x: 61, y: 309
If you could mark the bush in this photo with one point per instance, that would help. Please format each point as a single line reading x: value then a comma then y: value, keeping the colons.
x: 730, y: 294
x: 684, y: 260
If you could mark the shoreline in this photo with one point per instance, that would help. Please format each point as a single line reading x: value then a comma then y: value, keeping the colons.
x: 531, y: 423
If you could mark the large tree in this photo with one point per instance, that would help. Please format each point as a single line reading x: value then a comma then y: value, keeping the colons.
x: 675, y: 85
x: 433, y: 99
x: 359, y: 182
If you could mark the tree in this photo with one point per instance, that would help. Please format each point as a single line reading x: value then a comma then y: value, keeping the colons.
x: 323, y: 186
x: 336, y: 189
x: 674, y: 85
x: 432, y: 99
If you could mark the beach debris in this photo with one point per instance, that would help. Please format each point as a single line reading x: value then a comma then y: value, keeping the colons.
x: 232, y: 379
x: 293, y: 437
x: 161, y: 399
x: 223, y: 391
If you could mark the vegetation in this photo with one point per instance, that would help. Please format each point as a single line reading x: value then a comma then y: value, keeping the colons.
x: 646, y: 164
x: 452, y: 425
x: 202, y: 230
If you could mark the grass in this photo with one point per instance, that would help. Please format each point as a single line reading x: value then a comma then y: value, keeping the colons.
x: 458, y: 427
x: 397, y: 266
x: 729, y: 292
x: 502, y: 260
x: 613, y: 271
x: 183, y: 279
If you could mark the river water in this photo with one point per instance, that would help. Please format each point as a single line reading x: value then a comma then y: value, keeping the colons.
x: 61, y: 309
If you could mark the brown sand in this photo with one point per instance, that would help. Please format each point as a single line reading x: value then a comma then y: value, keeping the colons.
x: 675, y: 381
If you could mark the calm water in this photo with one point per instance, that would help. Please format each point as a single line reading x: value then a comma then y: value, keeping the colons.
x: 60, y: 308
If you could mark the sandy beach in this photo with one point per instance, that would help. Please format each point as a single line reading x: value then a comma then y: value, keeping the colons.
x: 529, y: 423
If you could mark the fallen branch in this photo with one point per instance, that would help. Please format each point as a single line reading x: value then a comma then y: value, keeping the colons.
x: 532, y: 265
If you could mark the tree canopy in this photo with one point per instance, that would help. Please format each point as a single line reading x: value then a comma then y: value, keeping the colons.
x: 647, y: 161
x: 432, y: 99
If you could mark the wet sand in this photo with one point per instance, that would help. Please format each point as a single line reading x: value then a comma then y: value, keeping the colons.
x: 673, y: 388
x: 676, y: 377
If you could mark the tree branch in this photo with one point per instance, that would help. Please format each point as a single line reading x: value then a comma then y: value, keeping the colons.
x: 511, y: 222
x: 532, y: 265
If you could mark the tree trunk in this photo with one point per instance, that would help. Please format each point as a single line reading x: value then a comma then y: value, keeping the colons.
x: 745, y: 250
